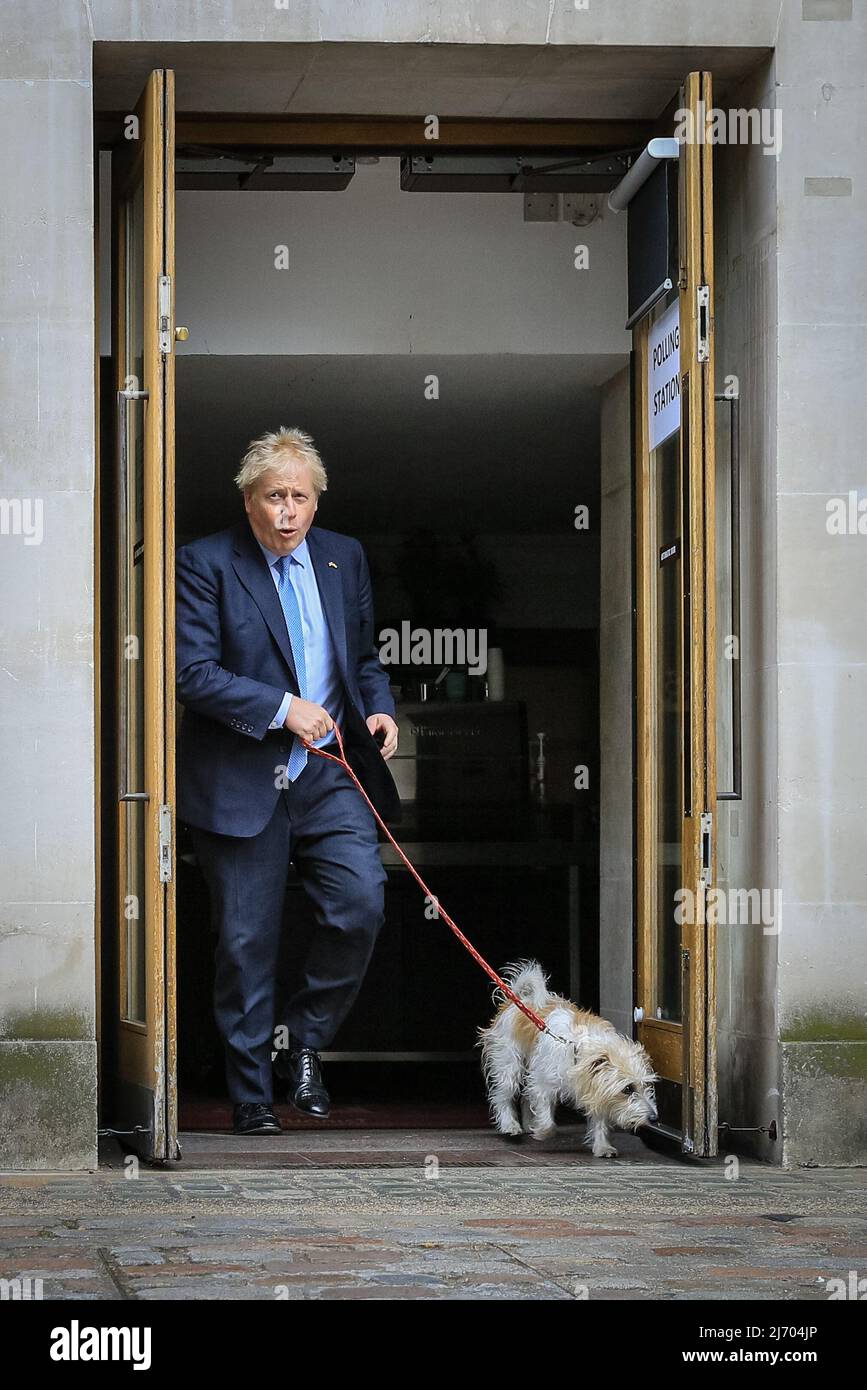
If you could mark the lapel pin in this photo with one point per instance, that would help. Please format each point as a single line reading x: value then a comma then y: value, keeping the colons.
x: 332, y: 564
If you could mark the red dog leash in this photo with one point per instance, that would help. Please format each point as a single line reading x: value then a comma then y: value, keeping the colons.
x: 489, y: 970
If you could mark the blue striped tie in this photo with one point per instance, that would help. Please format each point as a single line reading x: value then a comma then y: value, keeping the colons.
x: 289, y: 602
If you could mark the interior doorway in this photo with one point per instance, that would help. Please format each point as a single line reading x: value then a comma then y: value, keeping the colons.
x: 471, y: 514
x: 460, y: 470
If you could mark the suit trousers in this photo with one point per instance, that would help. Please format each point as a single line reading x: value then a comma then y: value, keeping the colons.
x: 323, y: 826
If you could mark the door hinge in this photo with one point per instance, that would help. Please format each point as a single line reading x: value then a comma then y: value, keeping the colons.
x: 703, y: 338
x: 166, y: 336
x: 165, y: 844
x: 706, y: 847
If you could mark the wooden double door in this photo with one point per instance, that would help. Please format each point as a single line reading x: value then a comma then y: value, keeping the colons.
x: 675, y: 651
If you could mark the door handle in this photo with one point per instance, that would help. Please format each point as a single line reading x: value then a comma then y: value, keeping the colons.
x: 123, y: 398
x: 686, y: 592
x: 734, y: 405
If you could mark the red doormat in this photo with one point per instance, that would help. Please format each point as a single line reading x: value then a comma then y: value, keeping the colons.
x: 216, y: 1116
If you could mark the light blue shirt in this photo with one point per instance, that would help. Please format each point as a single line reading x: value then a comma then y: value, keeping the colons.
x: 324, y: 684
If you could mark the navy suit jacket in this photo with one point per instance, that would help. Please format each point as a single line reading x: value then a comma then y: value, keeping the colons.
x: 234, y: 665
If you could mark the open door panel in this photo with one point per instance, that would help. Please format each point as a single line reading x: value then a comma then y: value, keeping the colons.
x: 676, y: 645
x: 142, y: 1090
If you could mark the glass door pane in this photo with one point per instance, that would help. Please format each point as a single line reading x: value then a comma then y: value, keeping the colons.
x: 669, y: 706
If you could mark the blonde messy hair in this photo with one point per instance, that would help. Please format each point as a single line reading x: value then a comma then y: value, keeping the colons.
x: 277, y: 451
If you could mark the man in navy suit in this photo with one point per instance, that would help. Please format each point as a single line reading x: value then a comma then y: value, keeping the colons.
x: 275, y: 644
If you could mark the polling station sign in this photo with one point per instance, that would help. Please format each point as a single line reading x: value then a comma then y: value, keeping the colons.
x: 663, y: 366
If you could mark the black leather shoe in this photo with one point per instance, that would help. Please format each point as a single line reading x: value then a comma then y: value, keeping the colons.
x: 253, y: 1118
x: 301, y: 1068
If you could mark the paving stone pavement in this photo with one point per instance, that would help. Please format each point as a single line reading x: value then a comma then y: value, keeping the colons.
x: 406, y: 1216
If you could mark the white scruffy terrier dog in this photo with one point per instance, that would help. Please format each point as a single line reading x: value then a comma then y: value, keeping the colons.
x: 599, y: 1071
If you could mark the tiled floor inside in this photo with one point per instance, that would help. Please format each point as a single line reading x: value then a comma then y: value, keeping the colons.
x: 309, y: 1146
